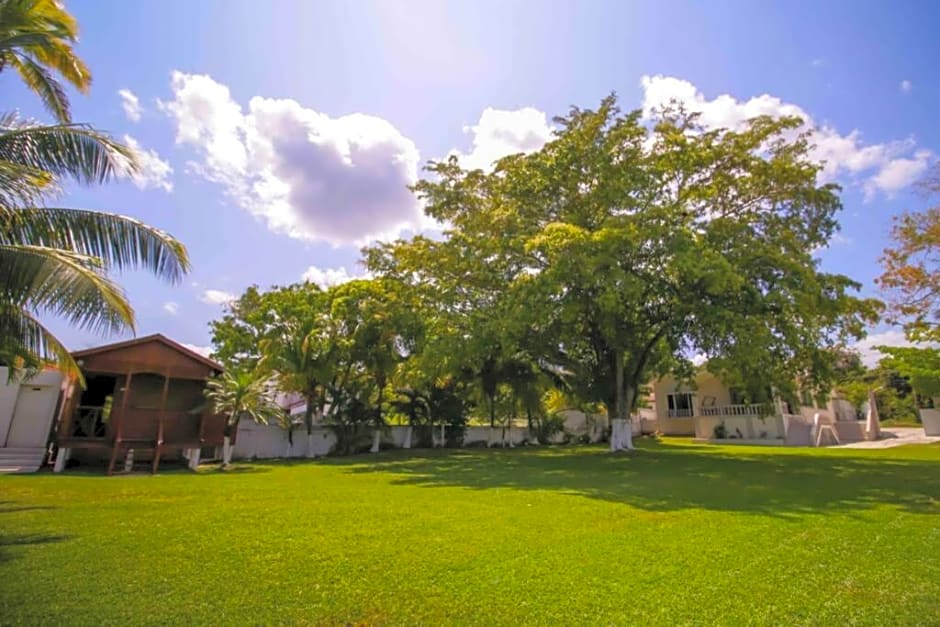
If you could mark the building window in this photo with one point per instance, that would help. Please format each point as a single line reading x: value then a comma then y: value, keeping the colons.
x: 681, y: 404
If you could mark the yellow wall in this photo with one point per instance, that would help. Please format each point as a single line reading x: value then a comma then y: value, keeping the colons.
x: 706, y: 385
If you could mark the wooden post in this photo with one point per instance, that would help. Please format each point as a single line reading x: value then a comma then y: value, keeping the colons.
x: 161, y: 416
x: 120, y: 419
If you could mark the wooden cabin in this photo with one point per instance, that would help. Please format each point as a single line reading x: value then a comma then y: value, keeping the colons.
x: 143, y: 399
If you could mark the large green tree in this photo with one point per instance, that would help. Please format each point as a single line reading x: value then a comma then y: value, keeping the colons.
x: 624, y: 246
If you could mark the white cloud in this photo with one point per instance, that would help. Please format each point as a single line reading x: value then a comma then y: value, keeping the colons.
x: 885, y: 167
x: 217, y: 297
x: 343, y: 180
x: 328, y: 277
x: 154, y: 172
x: 205, y: 351
x: 906, y: 86
x: 171, y: 308
x: 866, y: 347
x: 499, y: 133
x: 899, y: 173
x: 818, y: 62
x: 131, y: 104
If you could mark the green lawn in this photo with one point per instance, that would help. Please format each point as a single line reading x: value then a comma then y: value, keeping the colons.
x: 675, y: 534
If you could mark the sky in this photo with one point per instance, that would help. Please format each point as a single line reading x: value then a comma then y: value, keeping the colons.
x: 279, y: 137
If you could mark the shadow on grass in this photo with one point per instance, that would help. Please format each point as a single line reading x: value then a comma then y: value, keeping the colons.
x: 669, y: 477
x: 10, y: 543
x: 6, y: 507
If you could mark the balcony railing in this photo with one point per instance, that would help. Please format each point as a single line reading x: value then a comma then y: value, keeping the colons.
x: 735, y: 410
x: 681, y: 413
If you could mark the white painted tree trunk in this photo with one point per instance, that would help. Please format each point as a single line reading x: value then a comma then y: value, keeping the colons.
x: 226, y: 451
x: 443, y: 436
x: 621, y: 435
x: 376, y: 439
x: 310, y: 448
x: 407, y: 442
x: 194, y: 454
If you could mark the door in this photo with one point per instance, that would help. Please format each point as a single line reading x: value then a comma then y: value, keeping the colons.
x: 32, y: 416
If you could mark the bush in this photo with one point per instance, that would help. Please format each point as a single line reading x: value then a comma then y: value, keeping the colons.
x: 547, y: 427
x: 720, y: 432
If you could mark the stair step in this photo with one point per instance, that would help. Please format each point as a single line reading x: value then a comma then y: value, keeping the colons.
x: 21, y: 449
x: 12, y: 470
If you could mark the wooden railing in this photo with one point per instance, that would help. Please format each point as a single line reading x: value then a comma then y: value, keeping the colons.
x: 89, y: 421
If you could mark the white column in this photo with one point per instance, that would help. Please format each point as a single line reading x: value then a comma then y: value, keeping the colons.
x: 61, y: 458
x: 194, y: 458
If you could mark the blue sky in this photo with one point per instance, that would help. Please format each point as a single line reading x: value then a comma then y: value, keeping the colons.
x: 229, y: 93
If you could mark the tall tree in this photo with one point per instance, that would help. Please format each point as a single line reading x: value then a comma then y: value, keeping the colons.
x: 36, y: 41
x: 624, y: 245
x: 56, y: 261
x: 912, y: 268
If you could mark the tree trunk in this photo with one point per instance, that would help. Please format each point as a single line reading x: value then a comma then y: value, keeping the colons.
x: 407, y: 442
x: 226, y: 451
x: 621, y: 430
x: 376, y: 440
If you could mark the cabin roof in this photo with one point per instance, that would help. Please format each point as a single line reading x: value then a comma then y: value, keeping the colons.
x: 156, y: 337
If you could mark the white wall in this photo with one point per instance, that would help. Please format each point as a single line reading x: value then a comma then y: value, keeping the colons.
x: 27, y: 409
x: 256, y: 441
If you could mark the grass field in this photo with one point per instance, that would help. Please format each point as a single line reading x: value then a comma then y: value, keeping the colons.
x: 675, y: 534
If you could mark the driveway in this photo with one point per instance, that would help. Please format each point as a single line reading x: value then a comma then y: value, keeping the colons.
x: 896, y: 436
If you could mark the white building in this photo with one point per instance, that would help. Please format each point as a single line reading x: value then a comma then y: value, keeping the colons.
x: 27, y: 412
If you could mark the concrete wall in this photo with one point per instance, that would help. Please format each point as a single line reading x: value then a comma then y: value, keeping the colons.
x: 27, y: 409
x: 931, y: 421
x: 741, y: 427
x: 256, y: 441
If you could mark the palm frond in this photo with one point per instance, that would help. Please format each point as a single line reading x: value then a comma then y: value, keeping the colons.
x: 43, y: 84
x: 64, y: 284
x: 74, y: 150
x: 36, y: 38
x: 119, y: 241
x: 26, y: 345
x: 22, y: 185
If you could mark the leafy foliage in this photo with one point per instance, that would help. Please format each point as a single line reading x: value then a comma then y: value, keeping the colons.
x: 52, y: 260
x: 36, y: 39
x: 622, y: 246
x: 912, y: 269
x: 242, y: 396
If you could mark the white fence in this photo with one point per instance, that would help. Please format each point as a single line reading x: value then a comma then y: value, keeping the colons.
x: 256, y: 441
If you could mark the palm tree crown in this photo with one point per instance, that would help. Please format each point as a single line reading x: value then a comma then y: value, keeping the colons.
x: 36, y: 38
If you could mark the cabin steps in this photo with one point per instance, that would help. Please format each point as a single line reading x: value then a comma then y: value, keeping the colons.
x: 21, y: 459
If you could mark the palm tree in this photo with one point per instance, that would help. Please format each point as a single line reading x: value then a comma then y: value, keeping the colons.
x: 36, y: 38
x: 55, y: 261
x: 240, y: 396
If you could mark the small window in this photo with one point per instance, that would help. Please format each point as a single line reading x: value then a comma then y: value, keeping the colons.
x: 680, y: 404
